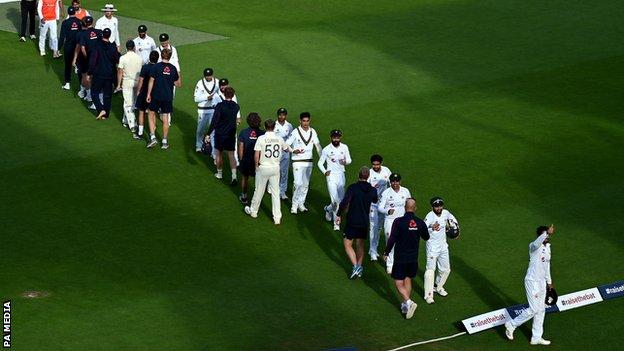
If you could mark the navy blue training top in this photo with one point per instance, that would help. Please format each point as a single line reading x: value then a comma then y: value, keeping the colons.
x: 405, y: 236
x: 165, y: 74
x: 248, y: 137
x: 224, y: 118
x: 358, y: 199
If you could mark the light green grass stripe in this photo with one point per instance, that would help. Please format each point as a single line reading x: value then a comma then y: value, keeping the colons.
x: 10, y: 22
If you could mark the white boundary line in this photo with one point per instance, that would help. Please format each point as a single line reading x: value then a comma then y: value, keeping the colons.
x: 429, y: 341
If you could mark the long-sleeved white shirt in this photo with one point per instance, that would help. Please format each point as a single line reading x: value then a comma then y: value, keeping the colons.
x: 539, y: 260
x: 271, y: 147
x: 393, y: 200
x: 207, y: 93
x: 112, y: 24
x: 283, y: 130
x: 380, y: 180
x: 437, y: 238
x: 332, y: 156
x: 305, y: 141
x: 144, y: 46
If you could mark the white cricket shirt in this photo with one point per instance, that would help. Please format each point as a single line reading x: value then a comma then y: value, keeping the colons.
x: 539, y: 260
x: 144, y: 46
x: 305, y: 141
x: 391, y: 199
x: 437, y: 238
x: 112, y: 24
x: 271, y: 147
x: 131, y: 64
x: 332, y: 156
x: 380, y: 180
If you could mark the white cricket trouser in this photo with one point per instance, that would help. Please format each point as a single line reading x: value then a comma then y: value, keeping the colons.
x: 48, y: 26
x: 439, y: 259
x: 387, y: 228
x: 336, y: 188
x: 264, y: 175
x: 204, y: 117
x: 129, y: 97
x: 536, y: 294
x: 302, y: 171
x: 376, y: 224
x: 284, y: 165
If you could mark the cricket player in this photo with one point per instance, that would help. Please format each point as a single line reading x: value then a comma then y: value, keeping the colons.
x: 223, y: 123
x: 206, y: 97
x: 141, y: 104
x: 88, y: 43
x: 144, y: 44
x: 49, y: 12
x: 379, y: 178
x: 70, y: 29
x: 28, y: 8
x: 536, y: 281
x: 128, y: 71
x: 246, y: 142
x: 109, y: 21
x: 332, y: 162
x: 405, y: 235
x: 224, y: 83
x: 392, y: 206
x: 102, y: 67
x: 268, y: 153
x: 304, y: 138
x: 437, y: 220
x: 357, y: 202
x: 163, y: 77
x: 80, y: 12
x: 283, y: 129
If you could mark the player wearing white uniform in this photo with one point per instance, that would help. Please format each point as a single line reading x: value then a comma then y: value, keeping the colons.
x: 268, y: 152
x: 207, y: 98
x: 304, y: 139
x: 392, y: 206
x: 144, y: 44
x: 283, y: 129
x: 536, y: 281
x: 110, y: 22
x: 336, y: 155
x: 379, y: 178
x: 128, y: 70
x: 165, y: 44
x: 437, y: 252
x: 49, y: 12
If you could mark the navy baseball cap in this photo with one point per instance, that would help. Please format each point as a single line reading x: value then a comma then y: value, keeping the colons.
x: 130, y: 44
x: 106, y: 33
x: 88, y: 20
x: 436, y: 201
x: 282, y: 111
x: 395, y: 177
x: 163, y: 37
x: 335, y: 132
x: 142, y: 28
x: 208, y: 72
x: 71, y: 11
x: 223, y: 81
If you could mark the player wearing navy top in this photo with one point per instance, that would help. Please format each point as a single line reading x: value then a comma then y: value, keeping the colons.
x: 163, y: 77
x: 88, y: 42
x: 246, y: 142
x: 405, y: 236
x: 70, y: 28
x: 358, y: 199
x: 102, y: 66
x: 142, y: 85
x: 224, y: 122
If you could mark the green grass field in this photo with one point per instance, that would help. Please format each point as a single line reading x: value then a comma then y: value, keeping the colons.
x: 509, y: 109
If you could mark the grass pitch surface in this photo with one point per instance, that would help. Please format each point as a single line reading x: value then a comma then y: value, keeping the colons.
x: 508, y: 109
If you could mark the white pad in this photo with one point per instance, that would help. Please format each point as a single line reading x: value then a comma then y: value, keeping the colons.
x: 429, y: 275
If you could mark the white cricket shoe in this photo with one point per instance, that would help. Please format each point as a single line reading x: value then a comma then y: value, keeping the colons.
x: 336, y: 227
x: 441, y: 291
x: 410, y: 310
x: 92, y: 107
x: 66, y: 86
x: 509, y: 330
x: 329, y: 216
x: 22, y: 39
x: 389, y: 270
x: 276, y: 222
x: 302, y: 208
x: 429, y: 300
x: 248, y: 211
x: 540, y: 341
x: 88, y: 98
x: 284, y: 197
x: 42, y: 53
x: 218, y: 175
x: 293, y: 210
x: 33, y: 37
x: 81, y: 94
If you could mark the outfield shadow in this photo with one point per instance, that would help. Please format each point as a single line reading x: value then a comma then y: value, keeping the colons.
x: 15, y: 17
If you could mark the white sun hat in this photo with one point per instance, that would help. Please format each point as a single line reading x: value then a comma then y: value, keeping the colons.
x: 109, y: 7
